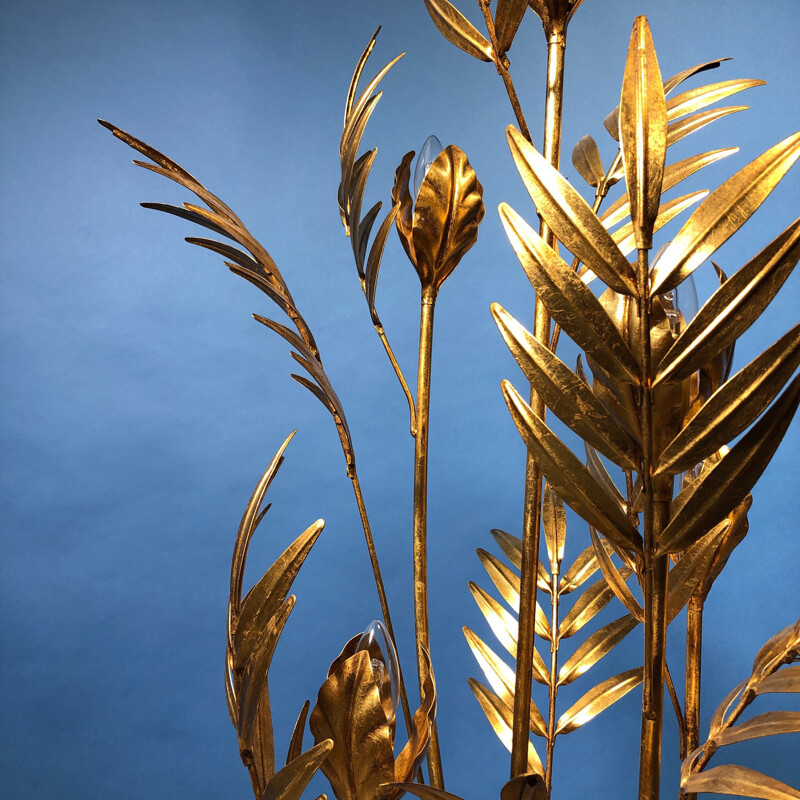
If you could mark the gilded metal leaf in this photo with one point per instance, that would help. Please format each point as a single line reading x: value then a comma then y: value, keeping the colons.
x: 500, y: 717
x: 568, y: 300
x: 687, y: 574
x: 724, y: 707
x: 290, y: 782
x: 592, y: 601
x: 616, y: 579
x: 683, y: 127
x: 739, y: 781
x: 512, y: 550
x: 784, y: 680
x: 734, y: 406
x: 554, y: 523
x: 625, y: 237
x: 505, y: 627
x: 525, y: 787
x: 784, y: 643
x: 507, y: 17
x: 570, y: 398
x: 722, y: 213
x: 733, y: 307
x: 569, y: 216
x: 599, y: 644
x: 375, y: 256
x: 349, y: 711
x: 718, y: 491
x: 447, y: 212
x: 673, y: 175
x: 695, y: 99
x: 402, y: 196
x: 643, y: 132
x: 570, y: 479
x: 583, y: 567
x: 680, y: 77
x: 598, y: 471
x: 599, y: 699
x: 586, y: 159
x: 458, y: 30
x: 501, y: 678
x: 771, y: 723
x: 296, y: 742
x: 426, y: 792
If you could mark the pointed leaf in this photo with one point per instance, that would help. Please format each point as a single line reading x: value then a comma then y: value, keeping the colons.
x: 772, y: 723
x: 615, y: 578
x: 570, y: 399
x: 680, y: 77
x: 600, y: 474
x: 724, y: 486
x: 643, y: 132
x: 683, y: 127
x: 525, y: 787
x: 290, y: 782
x: 584, y: 566
x: 784, y: 680
x: 734, y: 406
x: 501, y: 717
x: 599, y: 644
x: 507, y: 18
x: 568, y: 300
x: 732, y: 779
x: 512, y: 550
x: 733, y: 307
x: 458, y: 30
x: 505, y: 626
x: 695, y: 99
x: 554, y: 523
x: 673, y: 175
x: 570, y: 479
x: 569, y: 216
x: 501, y: 678
x: 722, y: 213
x: 599, y: 699
x: 592, y: 601
x: 296, y: 742
x: 375, y: 256
x: 586, y: 159
x: 425, y: 792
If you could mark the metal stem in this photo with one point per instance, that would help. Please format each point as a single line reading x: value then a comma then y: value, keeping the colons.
x: 421, y: 514
x: 656, y: 515
x: 406, y: 391
x: 694, y: 645
x: 533, y: 482
x: 553, y: 688
x: 376, y: 571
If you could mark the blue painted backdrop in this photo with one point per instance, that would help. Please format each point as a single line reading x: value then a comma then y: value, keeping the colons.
x: 141, y: 402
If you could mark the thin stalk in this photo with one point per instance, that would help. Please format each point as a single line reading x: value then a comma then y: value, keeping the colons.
x: 376, y: 571
x: 421, y: 514
x: 556, y: 47
x: 409, y: 398
x: 656, y: 516
x: 553, y: 688
x: 502, y: 64
x: 694, y: 646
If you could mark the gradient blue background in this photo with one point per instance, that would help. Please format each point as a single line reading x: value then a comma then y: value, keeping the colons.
x: 141, y: 402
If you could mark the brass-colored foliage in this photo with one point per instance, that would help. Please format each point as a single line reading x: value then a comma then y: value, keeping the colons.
x: 507, y: 18
x: 586, y: 159
x: 444, y: 223
x: 769, y: 674
x: 458, y: 30
x: 361, y: 764
x: 525, y: 787
x: 555, y: 14
x: 290, y: 782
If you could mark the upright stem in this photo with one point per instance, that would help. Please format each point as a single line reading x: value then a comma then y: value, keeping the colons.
x: 421, y: 514
x: 533, y: 480
x: 657, y: 496
x: 376, y: 571
x: 553, y: 688
x: 694, y: 645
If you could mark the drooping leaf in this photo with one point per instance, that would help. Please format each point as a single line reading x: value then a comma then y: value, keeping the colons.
x: 501, y: 717
x: 733, y: 307
x: 599, y: 644
x: 570, y: 479
x: 507, y: 18
x: 722, y: 213
x: 570, y: 398
x: 569, y: 216
x: 458, y: 30
x: 734, y: 406
x: 501, y: 678
x: 643, y: 132
x: 615, y: 578
x: 586, y: 159
x: 717, y: 491
x: 599, y: 699
x: 568, y: 300
x: 732, y: 779
x: 290, y: 782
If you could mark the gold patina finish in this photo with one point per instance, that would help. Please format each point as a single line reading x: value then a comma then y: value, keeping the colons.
x: 651, y: 398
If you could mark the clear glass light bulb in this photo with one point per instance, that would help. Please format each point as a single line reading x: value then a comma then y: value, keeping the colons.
x: 680, y: 305
x: 383, y: 660
x: 427, y: 155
